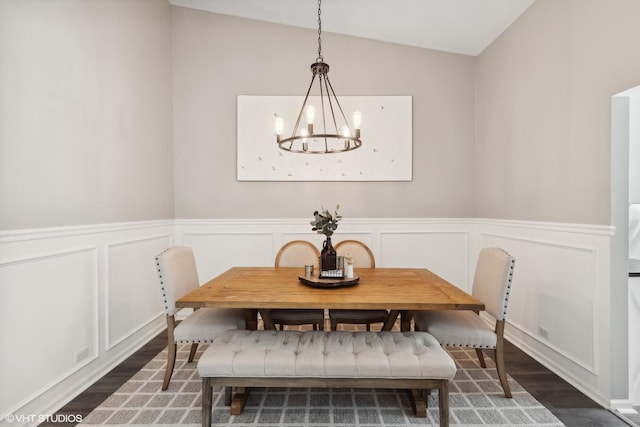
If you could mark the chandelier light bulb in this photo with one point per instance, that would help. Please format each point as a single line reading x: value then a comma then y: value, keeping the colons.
x: 279, y: 126
x: 357, y: 119
x: 346, y: 133
x: 310, y: 114
x: 304, y: 133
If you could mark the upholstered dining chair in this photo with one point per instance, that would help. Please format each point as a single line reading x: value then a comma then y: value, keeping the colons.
x: 298, y: 253
x: 459, y: 328
x: 178, y: 275
x: 362, y: 258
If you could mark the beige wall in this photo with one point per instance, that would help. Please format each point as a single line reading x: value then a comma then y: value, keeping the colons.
x: 85, y: 112
x: 216, y: 58
x: 544, y: 110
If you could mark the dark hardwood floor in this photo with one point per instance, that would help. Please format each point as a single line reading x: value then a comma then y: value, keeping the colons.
x: 573, y: 408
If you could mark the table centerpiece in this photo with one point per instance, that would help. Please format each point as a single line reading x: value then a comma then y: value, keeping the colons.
x: 326, y: 223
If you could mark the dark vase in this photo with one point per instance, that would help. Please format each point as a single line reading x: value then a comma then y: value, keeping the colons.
x: 328, y: 256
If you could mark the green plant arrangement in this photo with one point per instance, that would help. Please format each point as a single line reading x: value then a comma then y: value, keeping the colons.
x: 324, y: 222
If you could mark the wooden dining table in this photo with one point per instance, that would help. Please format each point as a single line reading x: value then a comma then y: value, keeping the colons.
x: 402, y: 291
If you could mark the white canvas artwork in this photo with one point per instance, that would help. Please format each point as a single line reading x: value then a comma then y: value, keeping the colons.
x: 385, y: 154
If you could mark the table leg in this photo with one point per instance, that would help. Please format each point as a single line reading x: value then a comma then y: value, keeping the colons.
x: 239, y: 400
x: 418, y: 404
x: 266, y: 319
x: 250, y: 318
x: 405, y: 321
x: 391, y: 320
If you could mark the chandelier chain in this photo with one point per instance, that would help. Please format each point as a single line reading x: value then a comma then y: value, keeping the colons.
x: 319, y: 32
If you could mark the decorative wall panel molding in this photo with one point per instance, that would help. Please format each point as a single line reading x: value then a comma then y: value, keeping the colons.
x: 132, y: 291
x: 552, y: 292
x: 59, y: 291
x: 634, y: 341
x: 53, y: 306
x: 560, y: 268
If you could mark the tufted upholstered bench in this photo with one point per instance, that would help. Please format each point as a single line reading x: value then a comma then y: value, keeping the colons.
x: 264, y: 358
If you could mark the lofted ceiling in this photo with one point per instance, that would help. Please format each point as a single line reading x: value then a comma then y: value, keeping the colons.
x: 459, y: 26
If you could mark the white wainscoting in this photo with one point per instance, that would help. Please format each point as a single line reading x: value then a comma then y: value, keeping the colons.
x: 559, y: 308
x: 74, y: 302
x: 440, y: 245
x: 69, y: 289
x: 634, y: 340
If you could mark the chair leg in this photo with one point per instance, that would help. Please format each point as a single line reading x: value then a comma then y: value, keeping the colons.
x: 480, y: 355
x: 207, y: 403
x: 368, y: 327
x: 502, y: 373
x: 192, y: 351
x: 171, y: 361
x: 172, y: 347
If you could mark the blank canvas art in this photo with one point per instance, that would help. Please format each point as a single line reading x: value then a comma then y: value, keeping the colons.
x: 385, y: 154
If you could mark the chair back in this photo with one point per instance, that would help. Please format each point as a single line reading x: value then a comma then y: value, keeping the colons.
x: 492, y: 280
x: 178, y: 275
x: 358, y: 251
x: 297, y: 253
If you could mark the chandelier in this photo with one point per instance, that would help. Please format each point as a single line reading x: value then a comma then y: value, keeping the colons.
x: 333, y: 135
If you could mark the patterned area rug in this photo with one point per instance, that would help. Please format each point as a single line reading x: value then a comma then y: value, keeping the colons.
x: 476, y: 399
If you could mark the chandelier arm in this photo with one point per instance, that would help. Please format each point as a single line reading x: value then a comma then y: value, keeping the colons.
x: 339, y: 107
x: 324, y: 122
x: 304, y: 103
x: 330, y: 91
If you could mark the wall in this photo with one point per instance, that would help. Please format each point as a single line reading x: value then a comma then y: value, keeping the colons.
x: 634, y: 147
x: 85, y: 112
x: 634, y: 340
x: 75, y: 301
x: 85, y: 139
x: 544, y: 108
x: 544, y: 128
x: 217, y: 57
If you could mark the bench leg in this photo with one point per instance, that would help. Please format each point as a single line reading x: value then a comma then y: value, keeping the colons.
x: 207, y: 396
x: 443, y: 401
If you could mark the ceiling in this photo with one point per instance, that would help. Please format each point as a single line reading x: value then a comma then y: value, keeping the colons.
x: 458, y: 26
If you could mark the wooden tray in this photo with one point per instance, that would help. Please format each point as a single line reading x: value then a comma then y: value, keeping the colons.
x: 317, y: 282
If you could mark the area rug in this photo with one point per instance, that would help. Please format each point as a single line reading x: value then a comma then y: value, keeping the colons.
x: 476, y: 399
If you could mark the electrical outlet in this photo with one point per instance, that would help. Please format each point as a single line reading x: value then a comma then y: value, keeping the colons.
x: 82, y: 354
x: 543, y: 332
